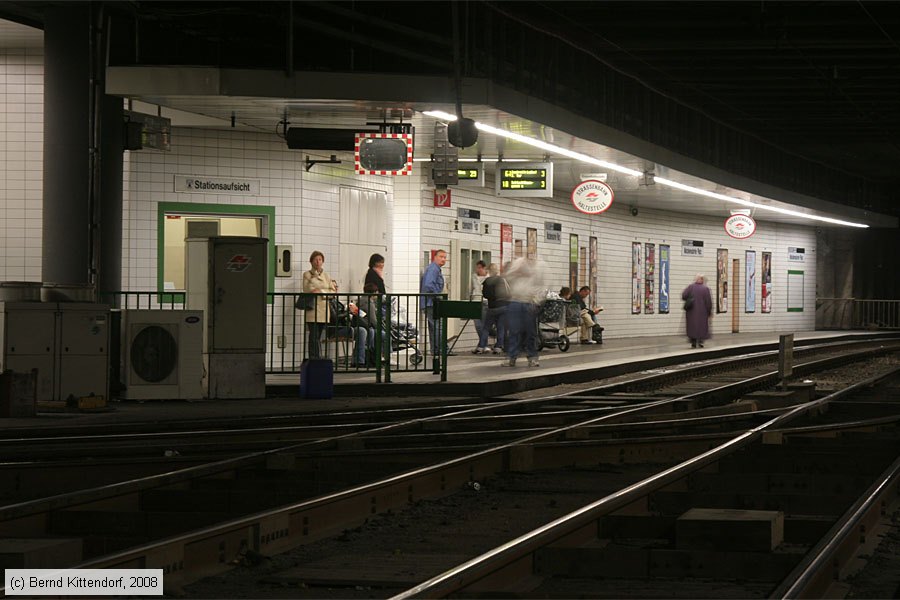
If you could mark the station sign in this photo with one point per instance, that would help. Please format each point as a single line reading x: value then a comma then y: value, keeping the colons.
x: 553, y: 232
x: 199, y: 184
x: 740, y: 226
x: 592, y: 197
x: 796, y: 254
x: 692, y: 247
x: 525, y: 179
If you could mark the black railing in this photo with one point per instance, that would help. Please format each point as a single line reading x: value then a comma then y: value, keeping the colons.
x: 341, y: 327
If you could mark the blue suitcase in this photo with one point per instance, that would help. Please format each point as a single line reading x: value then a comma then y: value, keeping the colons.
x: 317, y: 378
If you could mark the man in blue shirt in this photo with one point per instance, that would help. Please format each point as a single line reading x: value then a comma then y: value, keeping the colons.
x: 433, y: 283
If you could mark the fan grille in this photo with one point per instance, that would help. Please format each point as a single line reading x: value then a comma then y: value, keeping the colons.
x: 154, y: 354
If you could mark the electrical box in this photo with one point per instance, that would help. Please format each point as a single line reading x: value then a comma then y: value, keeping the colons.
x: 283, y: 257
x: 227, y: 279
x: 67, y: 342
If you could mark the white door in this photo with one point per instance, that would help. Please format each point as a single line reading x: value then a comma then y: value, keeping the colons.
x: 363, y: 221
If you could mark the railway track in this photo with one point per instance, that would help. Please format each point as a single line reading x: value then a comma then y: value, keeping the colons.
x: 112, y: 521
x: 54, y: 460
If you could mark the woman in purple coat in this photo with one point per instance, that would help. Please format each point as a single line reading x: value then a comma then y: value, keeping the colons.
x: 697, y: 310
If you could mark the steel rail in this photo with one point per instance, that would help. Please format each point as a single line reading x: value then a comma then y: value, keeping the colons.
x: 273, y: 528
x: 821, y: 565
x: 518, y: 554
x: 256, y: 531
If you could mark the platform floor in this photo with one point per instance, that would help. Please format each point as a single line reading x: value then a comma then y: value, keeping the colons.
x: 468, y: 375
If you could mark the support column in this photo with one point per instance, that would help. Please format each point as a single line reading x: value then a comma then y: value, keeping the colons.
x: 82, y: 153
x: 67, y: 128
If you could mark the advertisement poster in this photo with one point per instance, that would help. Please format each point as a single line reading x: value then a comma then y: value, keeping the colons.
x: 506, y: 249
x: 583, y: 267
x: 593, y: 272
x: 750, y: 294
x: 766, y: 287
x: 531, y: 244
x: 519, y: 251
x: 721, y: 280
x: 573, y: 261
x: 663, y: 279
x: 649, y: 278
x: 636, y: 275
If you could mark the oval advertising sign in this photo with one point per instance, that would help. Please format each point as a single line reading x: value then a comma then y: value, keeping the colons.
x: 592, y: 196
x: 740, y: 226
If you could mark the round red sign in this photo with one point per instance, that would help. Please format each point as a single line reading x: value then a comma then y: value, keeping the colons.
x: 740, y: 226
x: 592, y: 196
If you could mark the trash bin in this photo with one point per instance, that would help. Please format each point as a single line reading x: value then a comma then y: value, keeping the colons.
x: 317, y: 378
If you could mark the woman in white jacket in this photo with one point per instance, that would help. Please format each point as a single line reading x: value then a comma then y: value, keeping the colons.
x: 317, y: 281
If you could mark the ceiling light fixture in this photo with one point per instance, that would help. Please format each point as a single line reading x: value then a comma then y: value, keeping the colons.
x: 783, y: 211
x: 439, y: 114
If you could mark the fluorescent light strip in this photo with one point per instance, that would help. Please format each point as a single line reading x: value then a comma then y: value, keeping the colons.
x: 783, y: 211
x: 483, y: 159
x: 439, y: 114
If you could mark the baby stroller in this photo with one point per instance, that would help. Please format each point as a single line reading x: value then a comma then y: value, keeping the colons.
x: 551, y: 325
x: 404, y: 335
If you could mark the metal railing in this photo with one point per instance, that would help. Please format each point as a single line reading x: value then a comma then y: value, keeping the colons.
x: 341, y: 327
x: 856, y: 313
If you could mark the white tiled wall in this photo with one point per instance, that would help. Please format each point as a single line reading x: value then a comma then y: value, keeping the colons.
x: 307, y: 216
x: 616, y: 229
x: 307, y: 203
x: 21, y: 163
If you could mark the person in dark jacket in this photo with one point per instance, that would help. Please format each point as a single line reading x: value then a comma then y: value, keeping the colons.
x: 697, y: 310
x: 375, y: 274
x: 495, y: 290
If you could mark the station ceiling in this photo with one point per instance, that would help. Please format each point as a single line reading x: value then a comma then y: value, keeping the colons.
x: 820, y: 80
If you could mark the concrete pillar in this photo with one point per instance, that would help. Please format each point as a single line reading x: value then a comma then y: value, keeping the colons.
x: 109, y: 277
x: 82, y: 215
x: 67, y: 122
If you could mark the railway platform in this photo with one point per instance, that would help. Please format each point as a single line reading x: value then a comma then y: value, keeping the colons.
x: 482, y: 374
x: 469, y: 376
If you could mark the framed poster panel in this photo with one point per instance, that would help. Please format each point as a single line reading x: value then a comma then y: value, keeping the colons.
x: 583, y: 267
x: 519, y: 249
x: 531, y: 243
x: 593, y: 271
x: 573, y: 261
x: 649, y: 278
x: 795, y: 291
x: 636, y: 276
x: 663, y: 279
x: 766, y: 287
x: 506, y: 244
x: 722, y: 280
x: 750, y: 281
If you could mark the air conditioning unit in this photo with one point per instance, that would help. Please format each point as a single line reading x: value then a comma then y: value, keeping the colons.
x: 163, y: 354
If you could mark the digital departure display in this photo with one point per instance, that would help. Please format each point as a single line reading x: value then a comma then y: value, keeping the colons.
x: 468, y: 174
x: 525, y: 179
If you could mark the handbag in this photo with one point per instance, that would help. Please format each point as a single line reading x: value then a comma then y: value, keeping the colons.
x: 305, y: 302
x: 689, y: 302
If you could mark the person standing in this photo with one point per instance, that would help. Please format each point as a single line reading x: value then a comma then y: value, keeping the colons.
x: 433, y: 283
x: 524, y: 280
x: 495, y: 291
x: 698, y: 310
x: 317, y: 281
x: 375, y: 274
x: 475, y: 294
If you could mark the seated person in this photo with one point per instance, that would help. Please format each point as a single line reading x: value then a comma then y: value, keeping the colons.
x: 342, y: 327
x: 367, y: 318
x: 573, y: 312
x: 588, y: 315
